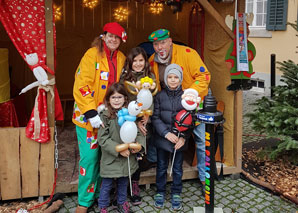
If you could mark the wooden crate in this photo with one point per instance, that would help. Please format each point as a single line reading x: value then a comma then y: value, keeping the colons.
x: 26, y: 166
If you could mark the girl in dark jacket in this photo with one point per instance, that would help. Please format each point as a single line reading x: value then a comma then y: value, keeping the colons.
x: 167, y: 104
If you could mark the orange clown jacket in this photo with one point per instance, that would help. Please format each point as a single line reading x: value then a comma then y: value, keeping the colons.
x: 91, y: 83
x: 195, y: 72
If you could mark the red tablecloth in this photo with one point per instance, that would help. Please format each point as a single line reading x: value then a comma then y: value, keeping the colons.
x: 8, y: 115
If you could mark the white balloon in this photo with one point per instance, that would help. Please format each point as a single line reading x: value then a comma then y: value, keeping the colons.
x: 145, y: 97
x: 128, y: 132
x: 134, y: 108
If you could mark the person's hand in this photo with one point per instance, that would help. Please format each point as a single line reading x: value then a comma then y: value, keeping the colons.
x: 142, y: 128
x: 125, y: 153
x: 145, y: 119
x: 96, y: 122
x: 180, y: 143
x: 171, y: 137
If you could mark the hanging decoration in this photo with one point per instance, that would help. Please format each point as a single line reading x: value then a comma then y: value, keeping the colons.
x: 57, y: 12
x: 240, y: 53
x: 90, y: 3
x: 196, y: 29
x: 120, y: 14
x: 155, y: 7
x: 176, y: 5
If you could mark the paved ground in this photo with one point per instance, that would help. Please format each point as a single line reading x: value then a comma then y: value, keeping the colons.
x: 230, y: 195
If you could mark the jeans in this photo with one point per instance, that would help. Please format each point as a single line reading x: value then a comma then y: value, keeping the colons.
x: 199, y: 132
x: 161, y: 172
x: 151, y: 150
x: 106, y: 186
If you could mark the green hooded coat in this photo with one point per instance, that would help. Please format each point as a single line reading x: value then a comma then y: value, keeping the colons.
x: 112, y: 164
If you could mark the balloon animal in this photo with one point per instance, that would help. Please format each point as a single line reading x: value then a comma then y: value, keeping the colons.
x: 128, y: 130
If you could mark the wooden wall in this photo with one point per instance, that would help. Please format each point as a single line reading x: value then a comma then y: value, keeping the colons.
x: 26, y: 166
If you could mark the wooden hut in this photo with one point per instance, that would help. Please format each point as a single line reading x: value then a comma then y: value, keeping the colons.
x: 27, y: 168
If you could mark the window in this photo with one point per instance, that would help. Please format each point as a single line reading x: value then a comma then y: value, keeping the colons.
x: 277, y: 15
x: 259, y: 9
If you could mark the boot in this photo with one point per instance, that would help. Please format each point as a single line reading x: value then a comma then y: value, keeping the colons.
x: 136, y: 199
x: 235, y: 85
x: 246, y: 84
x: 81, y: 209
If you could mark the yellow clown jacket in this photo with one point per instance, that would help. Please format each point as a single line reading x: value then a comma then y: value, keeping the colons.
x: 195, y: 72
x: 91, y: 83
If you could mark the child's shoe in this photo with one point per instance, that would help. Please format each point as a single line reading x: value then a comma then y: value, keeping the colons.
x: 124, y: 208
x: 103, y: 210
x: 135, y: 199
x: 176, y: 202
x: 159, y: 200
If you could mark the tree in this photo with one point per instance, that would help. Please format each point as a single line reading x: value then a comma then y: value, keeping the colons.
x: 278, y: 117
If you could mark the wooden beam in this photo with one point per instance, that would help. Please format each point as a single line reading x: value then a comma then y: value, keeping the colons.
x: 50, y: 56
x: 220, y: 20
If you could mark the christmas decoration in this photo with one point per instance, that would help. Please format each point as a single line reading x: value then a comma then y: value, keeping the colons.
x: 156, y: 7
x: 176, y: 5
x: 120, y: 14
x: 240, y: 53
x: 57, y: 12
x: 90, y: 3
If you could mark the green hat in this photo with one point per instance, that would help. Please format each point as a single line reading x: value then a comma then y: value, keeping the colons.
x: 159, y: 35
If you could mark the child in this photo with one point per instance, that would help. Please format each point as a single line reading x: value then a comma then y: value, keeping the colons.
x: 167, y: 104
x: 113, y: 165
x: 137, y: 67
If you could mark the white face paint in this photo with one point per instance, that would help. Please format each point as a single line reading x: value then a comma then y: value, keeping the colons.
x: 163, y: 47
x: 112, y: 41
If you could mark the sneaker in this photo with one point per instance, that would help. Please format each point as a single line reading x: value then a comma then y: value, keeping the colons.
x: 176, y: 202
x: 159, y: 200
x: 135, y: 199
x: 103, y: 210
x: 124, y: 208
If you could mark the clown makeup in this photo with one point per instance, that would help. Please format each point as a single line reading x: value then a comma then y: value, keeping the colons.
x: 163, y: 47
x: 117, y: 100
x: 138, y: 63
x: 173, y: 81
x: 112, y: 41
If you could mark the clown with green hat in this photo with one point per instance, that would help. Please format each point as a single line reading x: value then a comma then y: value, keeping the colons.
x: 159, y: 35
x: 195, y: 76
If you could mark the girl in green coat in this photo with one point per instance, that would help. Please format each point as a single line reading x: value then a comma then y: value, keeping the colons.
x: 113, y: 164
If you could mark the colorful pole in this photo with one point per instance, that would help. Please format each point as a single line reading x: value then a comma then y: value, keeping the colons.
x: 210, y: 116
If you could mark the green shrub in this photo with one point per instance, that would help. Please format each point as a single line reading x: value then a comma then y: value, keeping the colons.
x: 278, y: 117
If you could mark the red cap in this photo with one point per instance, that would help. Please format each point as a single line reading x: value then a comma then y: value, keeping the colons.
x: 115, y: 28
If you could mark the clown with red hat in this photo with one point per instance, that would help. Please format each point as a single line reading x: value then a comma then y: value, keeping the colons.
x: 100, y: 66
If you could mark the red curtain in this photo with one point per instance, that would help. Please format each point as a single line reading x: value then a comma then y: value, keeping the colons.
x: 24, y: 22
